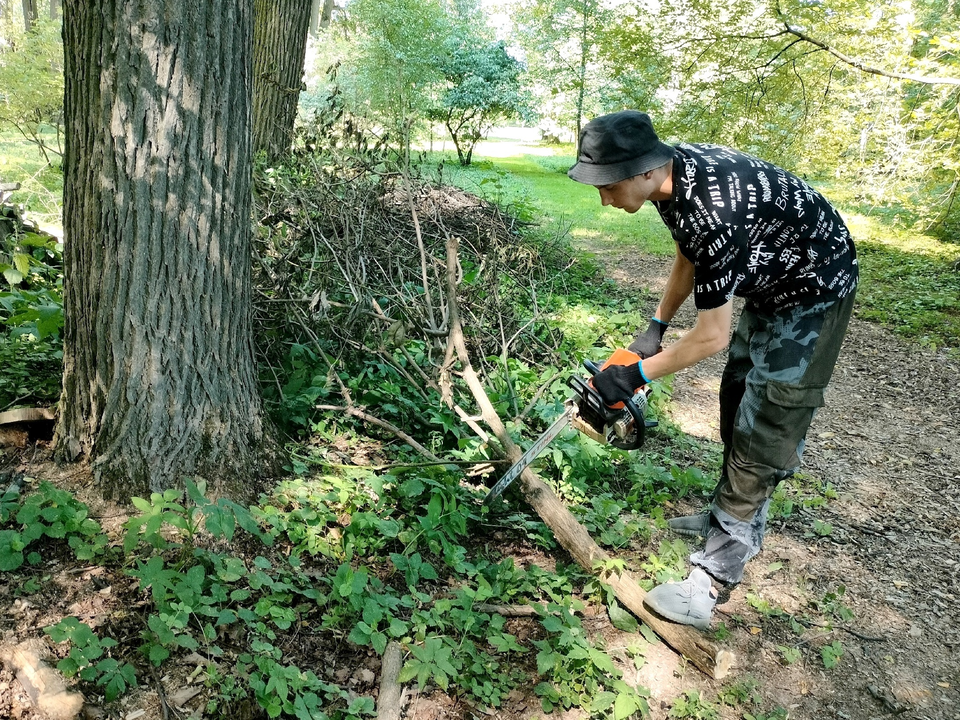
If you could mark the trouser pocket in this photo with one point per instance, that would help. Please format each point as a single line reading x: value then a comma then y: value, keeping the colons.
x: 780, y: 426
x: 769, y: 450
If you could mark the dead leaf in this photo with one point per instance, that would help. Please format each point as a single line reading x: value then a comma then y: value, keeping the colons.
x: 182, y: 696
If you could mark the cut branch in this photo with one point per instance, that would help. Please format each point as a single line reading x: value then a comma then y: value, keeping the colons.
x: 575, y: 539
x: 388, y: 702
x: 367, y: 417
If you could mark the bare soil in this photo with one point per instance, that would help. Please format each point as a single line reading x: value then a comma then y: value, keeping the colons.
x: 888, y: 441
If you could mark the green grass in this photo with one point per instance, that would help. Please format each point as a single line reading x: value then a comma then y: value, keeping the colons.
x: 909, y: 282
x: 539, y: 185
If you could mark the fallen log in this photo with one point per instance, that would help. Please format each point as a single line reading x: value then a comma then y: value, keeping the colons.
x: 45, y: 687
x: 26, y: 415
x: 692, y: 644
x: 388, y: 701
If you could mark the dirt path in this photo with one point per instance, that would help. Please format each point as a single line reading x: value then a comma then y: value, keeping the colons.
x: 889, y: 442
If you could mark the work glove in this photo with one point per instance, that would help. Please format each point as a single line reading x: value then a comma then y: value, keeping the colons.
x: 618, y: 383
x: 647, y: 343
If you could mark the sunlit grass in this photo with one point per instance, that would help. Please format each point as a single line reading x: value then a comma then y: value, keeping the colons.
x: 910, y: 281
x: 535, y: 179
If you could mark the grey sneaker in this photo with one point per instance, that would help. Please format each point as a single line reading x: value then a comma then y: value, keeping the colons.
x: 692, y: 525
x: 689, y: 602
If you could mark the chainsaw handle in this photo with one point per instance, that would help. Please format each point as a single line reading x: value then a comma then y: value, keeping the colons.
x: 591, y: 366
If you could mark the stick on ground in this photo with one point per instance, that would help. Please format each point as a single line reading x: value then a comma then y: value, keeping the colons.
x: 692, y: 644
x: 388, y: 701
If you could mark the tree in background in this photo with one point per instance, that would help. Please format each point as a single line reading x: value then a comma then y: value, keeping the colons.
x: 279, y: 48
x: 159, y: 377
x: 482, y: 88
x: 321, y: 13
x: 30, y: 14
x: 864, y: 91
x: 392, y: 67
x: 564, y: 43
x: 31, y: 78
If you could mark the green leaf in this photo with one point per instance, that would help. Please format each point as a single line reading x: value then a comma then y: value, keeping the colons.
x: 409, y: 671
x: 141, y: 504
x: 649, y: 635
x: 13, y: 276
x: 22, y: 263
x: 625, y: 706
x: 546, y: 661
x: 226, y: 617
x: 602, y: 701
x: 11, y: 545
x: 360, y: 635
x: 115, y: 687
x: 158, y: 654
x: 621, y: 619
x: 68, y: 666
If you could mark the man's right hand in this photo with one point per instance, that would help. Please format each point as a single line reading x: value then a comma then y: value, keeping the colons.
x: 618, y: 383
x: 648, y: 343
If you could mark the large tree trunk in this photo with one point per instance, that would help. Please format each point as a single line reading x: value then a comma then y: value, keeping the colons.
x: 279, y: 47
x: 159, y: 375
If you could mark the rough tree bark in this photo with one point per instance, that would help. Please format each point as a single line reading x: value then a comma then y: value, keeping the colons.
x: 279, y: 48
x: 159, y: 375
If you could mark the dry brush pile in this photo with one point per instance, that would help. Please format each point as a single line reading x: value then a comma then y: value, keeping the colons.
x: 352, y: 263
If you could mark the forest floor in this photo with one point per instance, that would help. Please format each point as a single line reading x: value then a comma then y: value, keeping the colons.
x: 884, y: 558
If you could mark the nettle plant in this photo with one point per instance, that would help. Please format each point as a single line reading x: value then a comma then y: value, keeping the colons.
x: 86, y: 658
x: 371, y: 559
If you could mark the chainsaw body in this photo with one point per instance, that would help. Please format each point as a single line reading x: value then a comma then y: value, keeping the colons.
x: 621, y: 425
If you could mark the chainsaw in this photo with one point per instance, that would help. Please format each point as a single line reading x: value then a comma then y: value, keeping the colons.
x: 622, y: 425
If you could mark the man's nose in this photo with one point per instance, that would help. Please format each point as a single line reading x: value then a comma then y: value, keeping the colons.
x: 605, y: 199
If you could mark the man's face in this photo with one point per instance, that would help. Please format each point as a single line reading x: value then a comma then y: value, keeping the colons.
x: 629, y: 194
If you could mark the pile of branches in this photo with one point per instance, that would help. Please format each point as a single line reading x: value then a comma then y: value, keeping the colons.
x: 351, y: 258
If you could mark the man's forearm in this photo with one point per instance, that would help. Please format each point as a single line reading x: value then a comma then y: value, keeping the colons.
x: 678, y: 288
x: 709, y: 336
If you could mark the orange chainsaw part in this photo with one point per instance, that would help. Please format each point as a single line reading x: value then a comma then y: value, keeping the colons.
x: 620, y: 357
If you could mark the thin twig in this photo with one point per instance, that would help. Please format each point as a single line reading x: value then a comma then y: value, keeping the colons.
x: 367, y: 417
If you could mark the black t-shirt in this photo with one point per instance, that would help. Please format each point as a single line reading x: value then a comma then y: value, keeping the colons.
x: 755, y: 231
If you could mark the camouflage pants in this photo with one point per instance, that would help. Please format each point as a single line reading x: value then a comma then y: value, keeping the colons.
x: 778, y: 367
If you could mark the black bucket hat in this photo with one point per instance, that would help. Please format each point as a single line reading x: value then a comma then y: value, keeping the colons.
x: 618, y: 146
